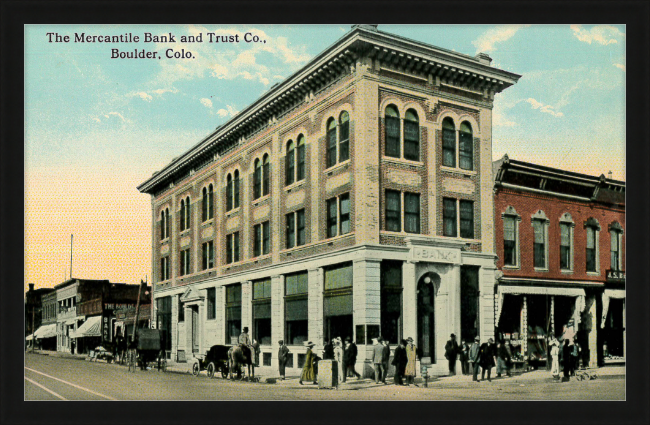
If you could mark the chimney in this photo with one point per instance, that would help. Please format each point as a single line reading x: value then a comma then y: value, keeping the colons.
x: 31, y: 287
x: 609, y: 174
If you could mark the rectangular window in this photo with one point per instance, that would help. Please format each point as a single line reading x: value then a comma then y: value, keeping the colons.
x: 262, y: 289
x: 391, y: 300
x: 539, y: 244
x: 296, y: 284
x: 164, y: 268
x: 295, y: 308
x: 185, y: 262
x: 332, y: 215
x: 300, y: 215
x: 232, y: 248
x: 411, y: 140
x: 229, y: 246
x: 344, y: 141
x: 181, y: 311
x: 257, y: 240
x: 289, y: 166
x: 565, y: 246
x: 235, y: 253
x: 291, y: 230
x: 266, y: 238
x: 339, y: 276
x: 236, y: 189
x: 509, y: 242
x: 331, y: 147
x: 466, y: 150
x: 212, y: 303
x: 615, y: 250
x: 229, y: 195
x: 257, y: 182
x: 449, y: 217
x: 392, y: 137
x: 208, y: 255
x: 591, y: 249
x: 393, y: 211
x: 233, y: 313
x: 467, y: 219
x: 449, y: 148
x: 412, y: 212
x: 345, y: 213
x: 266, y: 182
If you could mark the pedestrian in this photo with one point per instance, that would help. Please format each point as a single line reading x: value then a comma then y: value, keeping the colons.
x: 256, y: 352
x: 555, y: 358
x: 463, y: 354
x: 308, y: 373
x: 575, y: 355
x: 384, y: 360
x: 451, y: 351
x: 378, y: 359
x: 487, y: 359
x: 338, y: 356
x: 73, y: 344
x: 503, y: 359
x: 411, y: 358
x: 566, y: 359
x: 349, y: 358
x: 328, y: 350
x: 399, y: 361
x: 473, y: 358
x: 283, y: 357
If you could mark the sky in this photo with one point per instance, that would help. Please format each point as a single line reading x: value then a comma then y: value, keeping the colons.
x: 96, y: 127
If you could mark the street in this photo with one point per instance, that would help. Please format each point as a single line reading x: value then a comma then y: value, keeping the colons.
x: 55, y: 378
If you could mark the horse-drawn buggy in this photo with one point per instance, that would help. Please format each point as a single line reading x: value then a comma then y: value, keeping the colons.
x: 147, y: 348
x: 225, y: 359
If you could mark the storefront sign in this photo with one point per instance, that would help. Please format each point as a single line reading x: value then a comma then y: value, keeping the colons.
x: 439, y: 255
x: 615, y: 276
x: 113, y: 306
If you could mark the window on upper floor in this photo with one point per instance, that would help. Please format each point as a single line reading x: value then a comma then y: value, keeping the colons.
x: 338, y: 215
x: 448, y: 143
x: 466, y: 146
x: 261, y: 239
x: 208, y: 255
x: 207, y: 203
x: 185, y: 214
x: 232, y: 248
x: 394, y: 211
x: 540, y: 240
x: 295, y: 229
x: 451, y: 220
x: 290, y: 164
x: 164, y: 269
x: 295, y: 161
x: 261, y: 177
x: 392, y: 124
x: 411, y: 136
x: 510, y: 237
x: 164, y: 224
x: 338, y: 143
x: 229, y: 191
x: 185, y: 262
x: 461, y: 148
x: 616, y: 244
x: 566, y: 242
x: 592, y: 229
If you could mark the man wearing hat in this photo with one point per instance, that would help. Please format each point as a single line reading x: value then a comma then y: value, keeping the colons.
x: 349, y: 359
x: 245, y: 342
x: 378, y: 360
x: 473, y: 359
x: 283, y: 356
x: 451, y: 351
x: 487, y: 358
x: 411, y: 358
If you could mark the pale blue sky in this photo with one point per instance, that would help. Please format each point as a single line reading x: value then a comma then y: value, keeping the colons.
x: 90, y: 118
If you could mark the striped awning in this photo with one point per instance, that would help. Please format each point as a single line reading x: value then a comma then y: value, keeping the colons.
x: 539, y: 290
x: 91, y: 327
x: 45, y: 331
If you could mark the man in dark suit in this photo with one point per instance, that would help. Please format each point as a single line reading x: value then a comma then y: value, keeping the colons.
x: 328, y: 350
x: 283, y: 357
x: 487, y: 358
x: 384, y: 359
x: 349, y: 358
x: 451, y: 351
x: 399, y: 361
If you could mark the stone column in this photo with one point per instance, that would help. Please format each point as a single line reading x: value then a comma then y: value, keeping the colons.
x: 203, y: 320
x: 409, y: 300
x: 366, y: 302
x: 188, y: 332
x: 246, y: 306
x: 524, y: 330
x: 315, y: 305
x: 221, y: 315
x: 486, y: 303
x: 593, y: 325
x: 174, y: 329
x: 277, y: 316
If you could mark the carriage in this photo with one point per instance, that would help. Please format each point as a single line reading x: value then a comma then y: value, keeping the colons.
x: 147, y: 349
x: 215, y: 360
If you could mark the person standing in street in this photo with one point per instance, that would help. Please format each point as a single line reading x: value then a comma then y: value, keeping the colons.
x: 349, y: 358
x: 328, y: 350
x: 503, y: 359
x: 384, y: 360
x: 399, y: 361
x: 473, y: 358
x: 555, y: 359
x: 575, y: 355
x: 487, y: 359
x: 338, y: 356
x: 378, y: 359
x: 451, y: 351
x: 283, y: 356
x: 411, y: 358
x: 308, y: 373
x: 463, y: 352
x: 566, y: 359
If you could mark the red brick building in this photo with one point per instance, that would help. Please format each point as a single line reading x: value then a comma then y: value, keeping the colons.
x: 560, y: 243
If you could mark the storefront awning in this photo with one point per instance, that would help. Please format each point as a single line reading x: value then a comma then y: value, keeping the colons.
x: 539, y: 290
x: 91, y: 327
x: 618, y: 294
x: 46, y: 331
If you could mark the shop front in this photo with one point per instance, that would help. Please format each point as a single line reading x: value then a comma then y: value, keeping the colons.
x: 529, y: 317
x: 612, y: 326
x: 88, y: 335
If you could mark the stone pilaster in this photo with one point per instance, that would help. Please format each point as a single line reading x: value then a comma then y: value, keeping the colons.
x: 409, y: 300
x: 366, y: 299
x: 188, y: 331
x: 277, y: 316
x: 315, y: 305
x: 486, y: 303
x: 592, y: 327
x: 174, y: 330
x: 246, y: 306
x: 221, y: 314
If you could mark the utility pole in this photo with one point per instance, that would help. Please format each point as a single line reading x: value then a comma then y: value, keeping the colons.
x: 71, y: 256
x: 33, y: 332
x: 137, y: 310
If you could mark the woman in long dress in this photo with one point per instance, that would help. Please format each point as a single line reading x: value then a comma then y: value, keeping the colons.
x: 555, y: 356
x: 410, y: 371
x: 308, y: 369
x: 338, y: 356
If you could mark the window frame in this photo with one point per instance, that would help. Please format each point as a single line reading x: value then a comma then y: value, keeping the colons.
x: 392, y: 142
x: 211, y: 303
x: 207, y: 257
x: 511, y: 214
x: 468, y: 144
x: 450, y: 150
x: 393, y: 217
x: 446, y: 218
x: 540, y: 218
x: 616, y: 230
x: 462, y: 202
x: 407, y: 141
x: 185, y: 262
x: 592, y: 224
x: 567, y: 222
x: 337, y: 148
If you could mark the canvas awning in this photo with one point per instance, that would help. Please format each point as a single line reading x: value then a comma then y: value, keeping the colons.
x: 607, y: 294
x: 91, y: 327
x: 46, y: 331
x: 579, y: 293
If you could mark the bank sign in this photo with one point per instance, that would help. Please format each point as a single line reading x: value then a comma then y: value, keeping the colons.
x: 436, y: 255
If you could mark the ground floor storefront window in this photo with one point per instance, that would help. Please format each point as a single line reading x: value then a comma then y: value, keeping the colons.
x: 613, y: 331
x: 338, y: 321
x: 296, y: 313
x: 233, y: 314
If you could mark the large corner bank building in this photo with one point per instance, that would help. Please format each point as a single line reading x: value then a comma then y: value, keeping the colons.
x: 354, y: 199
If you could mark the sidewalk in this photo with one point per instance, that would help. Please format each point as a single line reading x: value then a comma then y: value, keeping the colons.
x: 59, y: 354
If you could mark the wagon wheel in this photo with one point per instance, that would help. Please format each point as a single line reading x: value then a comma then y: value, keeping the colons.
x: 196, y: 368
x: 211, y: 370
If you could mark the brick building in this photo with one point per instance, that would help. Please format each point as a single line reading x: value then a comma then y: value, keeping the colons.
x: 559, y: 238
x: 352, y: 199
x: 34, y: 311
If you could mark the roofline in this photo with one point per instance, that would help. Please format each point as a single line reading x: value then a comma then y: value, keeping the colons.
x: 357, y: 34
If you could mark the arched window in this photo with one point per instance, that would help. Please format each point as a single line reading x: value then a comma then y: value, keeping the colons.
x: 162, y: 225
x: 266, y: 175
x: 236, y: 189
x: 229, y: 192
x: 290, y: 164
x: 392, y: 123
x: 466, y: 146
x: 182, y: 214
x: 257, y: 179
x: 206, y: 204
x: 448, y: 143
x: 187, y: 212
x: 300, y: 153
x: 411, y: 136
x: 210, y: 201
x: 331, y: 142
x: 344, y: 136
x: 167, y: 225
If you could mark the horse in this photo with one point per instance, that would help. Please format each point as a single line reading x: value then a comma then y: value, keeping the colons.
x: 237, y: 358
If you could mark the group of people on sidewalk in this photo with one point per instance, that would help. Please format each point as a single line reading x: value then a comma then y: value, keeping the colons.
x: 475, y: 355
x: 569, y: 356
